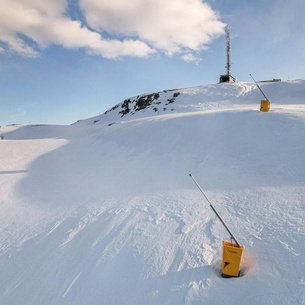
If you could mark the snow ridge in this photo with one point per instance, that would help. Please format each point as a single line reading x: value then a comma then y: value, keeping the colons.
x: 104, y: 212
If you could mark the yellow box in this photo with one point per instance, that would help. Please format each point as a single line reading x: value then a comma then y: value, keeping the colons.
x: 265, y: 105
x: 231, y: 259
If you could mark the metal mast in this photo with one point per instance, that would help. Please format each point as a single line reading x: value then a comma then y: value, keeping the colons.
x: 227, y: 78
x: 228, y: 50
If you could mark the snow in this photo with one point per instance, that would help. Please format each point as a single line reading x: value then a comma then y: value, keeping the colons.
x: 103, y: 211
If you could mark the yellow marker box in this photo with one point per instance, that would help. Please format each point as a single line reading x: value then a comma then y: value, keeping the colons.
x: 231, y: 259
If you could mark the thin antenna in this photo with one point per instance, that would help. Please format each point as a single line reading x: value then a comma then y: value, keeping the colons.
x: 228, y: 50
x: 260, y: 88
x: 214, y: 210
x: 227, y: 78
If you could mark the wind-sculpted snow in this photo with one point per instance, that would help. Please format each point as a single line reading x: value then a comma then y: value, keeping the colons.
x: 104, y: 212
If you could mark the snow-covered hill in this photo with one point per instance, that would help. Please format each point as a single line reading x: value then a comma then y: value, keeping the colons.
x: 104, y: 212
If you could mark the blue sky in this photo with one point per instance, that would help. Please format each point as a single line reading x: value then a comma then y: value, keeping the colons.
x: 61, y: 61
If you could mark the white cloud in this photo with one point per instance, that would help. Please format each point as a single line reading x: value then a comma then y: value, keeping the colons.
x: 190, y: 58
x: 170, y: 26
x: 44, y: 23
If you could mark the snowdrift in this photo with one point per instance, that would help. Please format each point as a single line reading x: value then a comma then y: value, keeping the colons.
x: 104, y: 212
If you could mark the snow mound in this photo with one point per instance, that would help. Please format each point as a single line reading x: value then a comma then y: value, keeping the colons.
x: 104, y: 212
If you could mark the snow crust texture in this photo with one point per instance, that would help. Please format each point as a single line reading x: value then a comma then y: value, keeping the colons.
x: 104, y: 212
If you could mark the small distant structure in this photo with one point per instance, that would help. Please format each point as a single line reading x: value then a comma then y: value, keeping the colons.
x: 275, y: 80
x: 227, y: 78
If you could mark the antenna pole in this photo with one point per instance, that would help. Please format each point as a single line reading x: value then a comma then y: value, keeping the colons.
x: 214, y: 210
x: 228, y: 50
x: 259, y: 88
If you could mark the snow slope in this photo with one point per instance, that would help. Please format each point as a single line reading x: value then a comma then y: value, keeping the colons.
x: 104, y: 212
